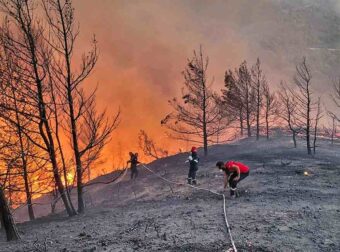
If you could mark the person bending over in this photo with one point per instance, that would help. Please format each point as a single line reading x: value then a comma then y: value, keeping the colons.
x: 234, y: 172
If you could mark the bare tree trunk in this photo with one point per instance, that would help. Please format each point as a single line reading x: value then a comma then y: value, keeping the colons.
x: 204, y: 109
x: 67, y: 188
x: 205, y: 135
x: 303, y: 96
x: 28, y: 194
x: 333, y: 130
x: 317, y: 118
x: 267, y: 125
x: 241, y: 122
x: 258, y: 80
x: 258, y: 109
x: 308, y: 129
x: 258, y: 119
x: 309, y: 150
x: 2, y: 222
x: 7, y: 220
x: 248, y: 114
x: 23, y: 160
x: 294, y: 139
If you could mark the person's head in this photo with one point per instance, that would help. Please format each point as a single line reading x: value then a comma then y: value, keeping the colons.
x: 136, y: 154
x: 131, y: 154
x: 193, y: 149
x: 220, y: 165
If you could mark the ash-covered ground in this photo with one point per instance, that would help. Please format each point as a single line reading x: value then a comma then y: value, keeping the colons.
x: 279, y: 208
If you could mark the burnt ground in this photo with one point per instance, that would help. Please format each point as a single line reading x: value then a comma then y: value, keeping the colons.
x: 279, y: 208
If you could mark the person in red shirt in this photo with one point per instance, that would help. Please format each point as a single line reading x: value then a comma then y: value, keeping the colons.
x: 234, y: 172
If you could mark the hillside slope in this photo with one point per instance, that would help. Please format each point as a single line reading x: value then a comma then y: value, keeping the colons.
x: 279, y: 209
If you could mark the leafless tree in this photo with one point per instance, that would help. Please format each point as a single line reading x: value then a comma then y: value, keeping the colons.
x: 196, y: 116
x: 60, y: 15
x: 62, y: 39
x: 149, y: 146
x: 304, y: 98
x: 289, y: 111
x: 270, y: 107
x: 258, y: 80
x: 22, y: 34
x: 248, y: 94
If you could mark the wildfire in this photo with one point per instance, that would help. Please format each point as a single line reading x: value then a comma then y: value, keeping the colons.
x: 69, y: 177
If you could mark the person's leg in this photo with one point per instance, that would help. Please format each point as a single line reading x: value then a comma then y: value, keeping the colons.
x: 136, y: 172
x: 190, y: 176
x: 193, y: 176
x: 133, y: 172
x: 232, y: 184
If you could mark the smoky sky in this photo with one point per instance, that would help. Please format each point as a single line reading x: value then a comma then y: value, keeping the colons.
x: 144, y: 46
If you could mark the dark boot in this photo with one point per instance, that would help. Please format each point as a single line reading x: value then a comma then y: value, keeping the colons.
x: 194, y: 182
x: 189, y: 181
x: 233, y: 192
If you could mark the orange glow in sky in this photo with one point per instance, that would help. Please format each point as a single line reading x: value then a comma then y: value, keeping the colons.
x: 144, y: 45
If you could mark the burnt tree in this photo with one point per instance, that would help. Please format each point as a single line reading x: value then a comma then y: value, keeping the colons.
x: 258, y: 80
x: 289, y: 112
x: 60, y: 16
x: 270, y: 107
x: 196, y: 116
x: 28, y: 45
x: 232, y: 100
x: 304, y: 99
x: 6, y: 218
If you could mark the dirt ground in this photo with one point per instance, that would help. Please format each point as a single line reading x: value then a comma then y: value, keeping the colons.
x: 279, y: 208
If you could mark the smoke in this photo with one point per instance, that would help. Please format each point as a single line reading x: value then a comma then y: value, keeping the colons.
x: 144, y: 46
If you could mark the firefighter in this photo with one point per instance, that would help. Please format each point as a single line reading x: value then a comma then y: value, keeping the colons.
x: 193, y: 160
x: 234, y: 172
x: 133, y: 164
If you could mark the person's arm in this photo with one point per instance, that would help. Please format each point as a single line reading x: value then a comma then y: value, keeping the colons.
x: 237, y: 169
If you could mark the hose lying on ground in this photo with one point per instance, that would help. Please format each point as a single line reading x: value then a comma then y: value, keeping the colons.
x: 202, y: 189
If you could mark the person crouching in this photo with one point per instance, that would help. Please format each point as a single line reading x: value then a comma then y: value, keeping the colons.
x: 234, y: 172
x: 193, y: 160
